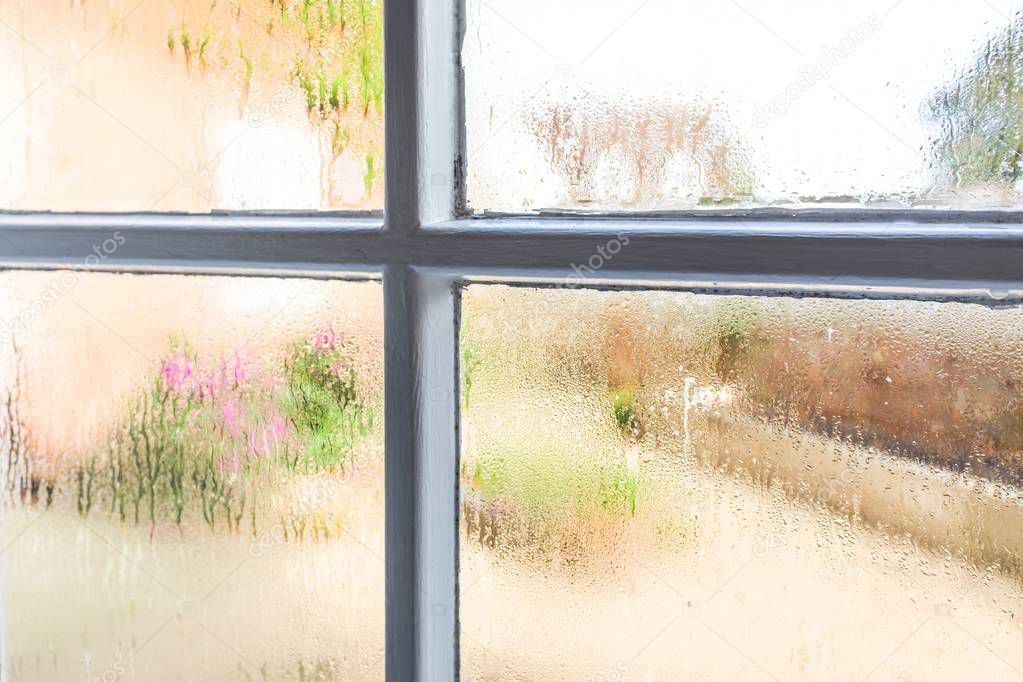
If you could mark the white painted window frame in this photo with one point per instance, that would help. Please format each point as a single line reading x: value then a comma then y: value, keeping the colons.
x: 424, y: 248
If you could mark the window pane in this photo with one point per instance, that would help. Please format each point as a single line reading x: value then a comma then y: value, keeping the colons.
x: 191, y: 105
x: 663, y: 105
x: 191, y: 489
x: 663, y: 486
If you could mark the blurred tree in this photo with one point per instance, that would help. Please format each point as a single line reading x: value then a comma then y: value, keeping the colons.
x: 980, y: 115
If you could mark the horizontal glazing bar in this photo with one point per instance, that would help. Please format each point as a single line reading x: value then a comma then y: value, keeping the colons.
x: 961, y: 259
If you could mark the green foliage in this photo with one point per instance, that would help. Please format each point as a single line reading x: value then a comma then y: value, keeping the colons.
x: 556, y: 488
x: 490, y: 477
x: 335, y: 50
x: 186, y: 42
x: 157, y: 448
x: 370, y: 175
x: 249, y: 68
x: 470, y: 363
x: 335, y: 15
x: 980, y: 116
x: 323, y: 89
x: 370, y: 59
x: 203, y: 44
x: 325, y: 96
x: 144, y: 471
x: 307, y: 81
x: 340, y: 138
x: 623, y: 404
x: 339, y: 93
x: 212, y: 449
x: 619, y: 490
x: 324, y: 406
x: 732, y: 335
x: 307, y: 12
x: 743, y: 189
x: 341, y: 38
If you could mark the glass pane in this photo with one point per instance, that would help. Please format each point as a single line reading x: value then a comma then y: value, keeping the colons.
x: 191, y: 489
x: 191, y: 105
x: 672, y: 105
x: 662, y: 486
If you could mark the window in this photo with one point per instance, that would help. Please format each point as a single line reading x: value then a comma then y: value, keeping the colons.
x: 165, y: 464
x: 505, y: 322
x: 192, y: 107
x: 693, y: 104
x: 731, y: 485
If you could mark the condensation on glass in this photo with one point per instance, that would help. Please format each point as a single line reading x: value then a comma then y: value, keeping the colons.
x: 191, y: 105
x: 677, y: 105
x: 192, y: 488
x: 660, y: 486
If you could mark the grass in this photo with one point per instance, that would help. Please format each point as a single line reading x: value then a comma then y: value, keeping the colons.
x: 249, y: 68
x: 340, y: 38
x: 548, y: 507
x: 186, y: 43
x: 326, y: 96
x: 340, y: 138
x: 552, y: 486
x: 203, y: 45
x: 623, y: 404
x: 470, y: 365
x: 369, y: 177
x: 339, y: 93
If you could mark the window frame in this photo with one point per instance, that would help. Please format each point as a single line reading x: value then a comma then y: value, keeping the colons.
x: 425, y: 246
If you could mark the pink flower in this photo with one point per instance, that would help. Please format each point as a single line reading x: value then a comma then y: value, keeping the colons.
x: 254, y: 449
x: 278, y: 426
x: 179, y: 374
x: 230, y: 413
x: 170, y: 371
x: 268, y: 436
x: 239, y: 370
x: 210, y: 388
x: 325, y: 339
x: 211, y: 385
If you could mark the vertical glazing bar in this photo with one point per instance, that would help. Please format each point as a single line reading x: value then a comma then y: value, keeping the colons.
x: 401, y: 115
x: 422, y: 117
x: 421, y: 475
x: 423, y: 144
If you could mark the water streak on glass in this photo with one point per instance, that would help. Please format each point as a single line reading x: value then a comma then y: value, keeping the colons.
x: 191, y: 489
x: 681, y: 105
x: 662, y: 486
x: 191, y: 105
